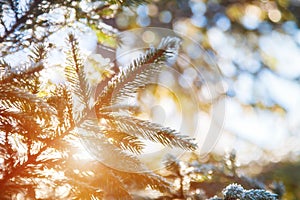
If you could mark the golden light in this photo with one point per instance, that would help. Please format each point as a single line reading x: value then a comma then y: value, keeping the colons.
x: 253, y: 10
x: 274, y: 15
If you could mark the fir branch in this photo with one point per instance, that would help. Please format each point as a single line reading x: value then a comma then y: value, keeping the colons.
x: 145, y: 179
x: 22, y: 20
x: 14, y: 98
x: 259, y: 195
x: 39, y: 53
x: 19, y: 76
x: 172, y: 165
x: 113, y: 186
x: 76, y: 76
x: 150, y: 131
x: 124, y: 141
x: 24, y: 123
x: 15, y: 7
x: 95, y: 176
x: 235, y: 191
x: 105, y: 152
x: 33, y: 160
x: 61, y: 100
x: 128, y: 2
x: 26, y: 76
x: 138, y: 74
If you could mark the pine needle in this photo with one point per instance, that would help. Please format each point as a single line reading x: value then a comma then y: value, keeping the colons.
x: 104, y: 151
x: 124, y: 141
x: 138, y: 74
x: 151, y: 131
x: 77, y: 79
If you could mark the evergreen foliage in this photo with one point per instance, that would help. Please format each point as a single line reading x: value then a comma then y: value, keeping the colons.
x: 41, y: 133
x: 38, y: 134
x: 213, y: 180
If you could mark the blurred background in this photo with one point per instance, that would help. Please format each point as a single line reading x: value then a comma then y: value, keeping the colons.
x: 255, y: 45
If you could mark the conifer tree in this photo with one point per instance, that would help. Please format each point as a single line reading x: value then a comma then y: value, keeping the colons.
x: 40, y: 133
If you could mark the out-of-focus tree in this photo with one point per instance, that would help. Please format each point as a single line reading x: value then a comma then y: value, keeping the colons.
x: 256, y: 46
